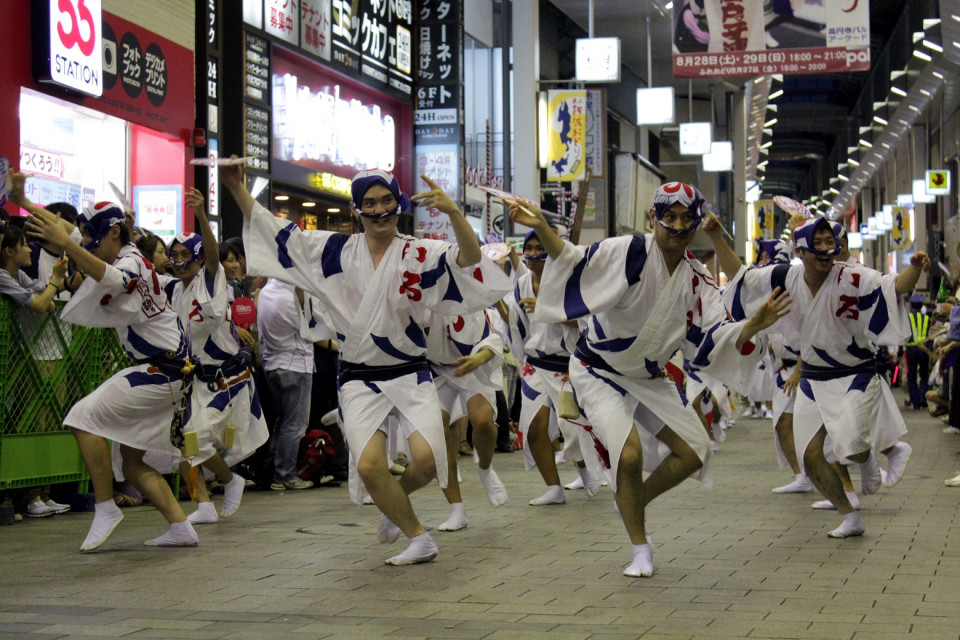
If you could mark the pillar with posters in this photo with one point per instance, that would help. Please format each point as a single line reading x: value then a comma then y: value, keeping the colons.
x: 438, y: 104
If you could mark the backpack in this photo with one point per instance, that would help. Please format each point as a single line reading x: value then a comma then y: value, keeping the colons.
x: 316, y: 452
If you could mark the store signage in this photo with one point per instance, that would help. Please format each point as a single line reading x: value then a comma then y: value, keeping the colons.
x: 374, y: 39
x: 598, y: 60
x: 566, y: 132
x: 938, y: 182
x: 256, y: 136
x: 334, y: 184
x: 76, y: 59
x: 213, y: 179
x: 281, y: 20
x: 695, y: 138
x: 596, y: 146
x: 354, y: 134
x: 315, y: 26
x: 256, y: 77
x: 716, y: 38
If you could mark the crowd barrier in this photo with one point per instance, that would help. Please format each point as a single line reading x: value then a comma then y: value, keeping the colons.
x: 46, y: 365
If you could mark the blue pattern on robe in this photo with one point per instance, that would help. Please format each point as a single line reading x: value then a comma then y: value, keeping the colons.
x: 611, y: 383
x: 860, y: 382
x: 142, y: 378
x: 636, y: 258
x: 415, y: 333
x: 806, y: 388
x: 283, y: 236
x: 387, y: 347
x: 573, y: 303
x: 330, y: 258
x: 528, y: 391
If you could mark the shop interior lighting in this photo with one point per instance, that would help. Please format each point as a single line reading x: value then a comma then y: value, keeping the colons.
x: 655, y: 106
x: 920, y: 195
x: 933, y: 46
x: 281, y: 198
x: 333, y: 210
x: 923, y: 56
x: 309, y: 204
x: 770, y: 123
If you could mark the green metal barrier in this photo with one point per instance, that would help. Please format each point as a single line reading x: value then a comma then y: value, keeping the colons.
x: 46, y: 366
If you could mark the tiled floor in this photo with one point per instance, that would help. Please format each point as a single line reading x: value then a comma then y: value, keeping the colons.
x: 735, y: 562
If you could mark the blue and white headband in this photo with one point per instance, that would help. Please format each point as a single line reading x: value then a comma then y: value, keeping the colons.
x: 540, y: 257
x: 803, y: 236
x: 366, y: 179
x: 670, y: 194
x: 193, y: 242
x: 778, y: 250
x: 96, y: 220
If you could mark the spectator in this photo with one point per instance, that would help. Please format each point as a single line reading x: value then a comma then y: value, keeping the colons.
x: 288, y: 366
x: 154, y: 250
x: 33, y: 294
x: 917, y: 360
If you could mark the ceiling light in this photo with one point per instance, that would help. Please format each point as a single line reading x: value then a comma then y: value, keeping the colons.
x: 779, y: 92
x: 333, y: 210
x: 772, y: 107
x: 853, y: 162
x: 925, y: 92
x: 955, y: 17
x: 833, y: 191
x: 309, y: 204
x: 766, y: 145
x: 843, y: 177
x: 866, y: 144
x: 898, y: 91
x: 923, y: 56
x: 770, y: 123
x: 281, y: 198
x: 913, y: 108
x: 668, y: 6
x: 884, y: 145
x: 938, y: 75
x: 933, y: 46
x: 880, y: 120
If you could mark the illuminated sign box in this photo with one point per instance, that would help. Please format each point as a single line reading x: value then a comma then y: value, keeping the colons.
x: 720, y: 157
x: 938, y: 182
x: 695, y: 138
x: 655, y: 106
x: 598, y: 60
x: 68, y: 48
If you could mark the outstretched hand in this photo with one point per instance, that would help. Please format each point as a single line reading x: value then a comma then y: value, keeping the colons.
x: 436, y: 198
x: 527, y: 214
x: 231, y: 175
x: 775, y: 307
x: 712, y: 226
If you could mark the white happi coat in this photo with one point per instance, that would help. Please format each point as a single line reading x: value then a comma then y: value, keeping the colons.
x: 540, y: 387
x: 836, y: 331
x: 452, y: 337
x: 204, y: 312
x: 378, y: 313
x: 135, y: 406
x: 640, y: 315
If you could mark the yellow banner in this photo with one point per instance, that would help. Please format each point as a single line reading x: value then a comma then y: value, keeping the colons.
x: 567, y: 131
x: 763, y: 222
x: 900, y: 234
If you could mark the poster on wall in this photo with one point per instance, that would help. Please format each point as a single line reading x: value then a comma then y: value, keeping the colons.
x: 596, y: 142
x: 158, y: 209
x: 440, y: 163
x: 566, y: 113
x: 716, y: 38
x: 764, y: 220
x: 315, y: 27
x: 900, y: 233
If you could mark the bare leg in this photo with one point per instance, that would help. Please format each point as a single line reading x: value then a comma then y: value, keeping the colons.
x: 676, y: 468
x: 541, y: 447
x: 200, y: 485
x: 631, y: 489
x: 703, y: 419
x: 823, y: 476
x: 451, y: 435
x: 484, y: 429
x: 151, y: 484
x: 784, y: 431
x: 218, y: 465
x: 96, y: 455
x: 388, y: 494
x: 844, y: 474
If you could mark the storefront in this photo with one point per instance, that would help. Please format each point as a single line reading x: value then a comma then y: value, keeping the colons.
x: 106, y: 103
x: 314, y: 103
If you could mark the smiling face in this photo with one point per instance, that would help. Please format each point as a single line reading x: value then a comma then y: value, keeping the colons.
x: 186, y: 272
x: 532, y: 248
x: 231, y: 266
x: 378, y: 200
x: 815, y: 264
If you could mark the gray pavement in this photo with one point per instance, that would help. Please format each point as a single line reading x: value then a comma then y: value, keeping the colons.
x: 735, y: 562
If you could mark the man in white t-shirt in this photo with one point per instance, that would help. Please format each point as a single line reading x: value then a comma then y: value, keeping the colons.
x: 288, y: 367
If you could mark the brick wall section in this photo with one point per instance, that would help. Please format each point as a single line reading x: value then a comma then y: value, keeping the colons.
x: 172, y: 19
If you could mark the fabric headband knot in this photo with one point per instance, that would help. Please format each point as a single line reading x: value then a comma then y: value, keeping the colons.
x: 803, y: 236
x: 366, y: 179
x: 777, y: 250
x: 96, y: 220
x: 540, y: 257
x: 670, y: 194
x: 193, y: 242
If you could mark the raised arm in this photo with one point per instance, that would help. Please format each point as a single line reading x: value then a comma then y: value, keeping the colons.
x: 729, y: 260
x: 43, y: 302
x: 211, y: 250
x: 231, y: 176
x: 530, y: 215
x: 907, y: 280
x: 437, y: 198
x: 45, y: 226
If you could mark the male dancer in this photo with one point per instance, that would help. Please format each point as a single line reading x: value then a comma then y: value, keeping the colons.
x: 380, y: 289
x: 646, y: 296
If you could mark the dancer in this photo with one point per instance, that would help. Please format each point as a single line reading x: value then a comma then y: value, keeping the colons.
x: 135, y: 406
x: 645, y: 297
x: 546, y: 347
x: 849, y: 307
x: 380, y: 288
x: 466, y: 359
x: 226, y: 412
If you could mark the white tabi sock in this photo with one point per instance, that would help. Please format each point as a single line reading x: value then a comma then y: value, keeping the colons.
x: 826, y: 504
x: 870, y: 475
x: 206, y: 513
x: 573, y: 485
x: 554, y: 495
x: 457, y: 520
x: 897, y: 463
x: 422, y: 549
x: 852, y: 526
x: 591, y: 481
x: 180, y: 534
x: 106, y: 517
x: 232, y: 494
x: 387, y: 532
x: 496, y: 492
x: 800, y: 484
x: 642, y: 565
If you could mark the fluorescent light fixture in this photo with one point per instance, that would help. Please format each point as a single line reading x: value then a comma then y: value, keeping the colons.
x: 668, y: 6
x: 898, y: 91
x: 843, y: 177
x: 695, y: 138
x: 281, y: 198
x: 543, y: 130
x: 923, y: 56
x: 333, y: 210
x: 766, y: 145
x: 720, y: 157
x: 770, y: 123
x: 309, y: 204
x: 776, y: 94
x: 598, y: 60
x: 938, y: 75
x: 920, y: 195
x: 853, y: 162
x: 655, y: 105
x: 904, y: 199
x: 866, y: 144
x: 833, y: 191
x: 933, y: 46
x: 926, y: 93
x: 880, y: 120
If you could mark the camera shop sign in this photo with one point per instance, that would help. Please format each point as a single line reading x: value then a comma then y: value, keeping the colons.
x: 76, y: 58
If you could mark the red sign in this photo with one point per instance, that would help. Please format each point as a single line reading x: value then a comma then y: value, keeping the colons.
x: 244, y: 312
x: 785, y: 61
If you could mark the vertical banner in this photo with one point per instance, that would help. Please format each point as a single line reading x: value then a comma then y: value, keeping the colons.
x: 438, y: 115
x: 900, y: 234
x: 596, y: 140
x: 716, y: 38
x: 567, y: 120
x: 764, y: 221
x: 315, y: 27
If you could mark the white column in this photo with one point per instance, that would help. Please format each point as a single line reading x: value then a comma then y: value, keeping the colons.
x: 526, y: 73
